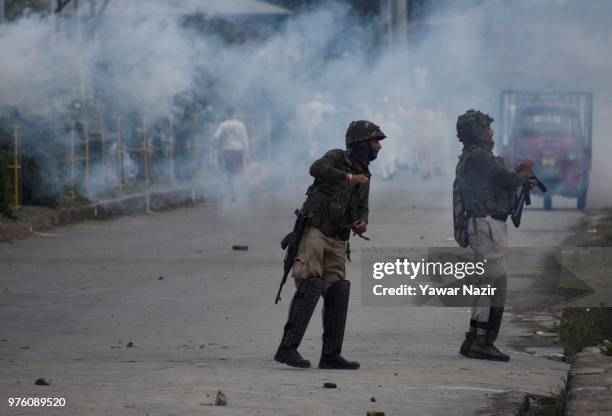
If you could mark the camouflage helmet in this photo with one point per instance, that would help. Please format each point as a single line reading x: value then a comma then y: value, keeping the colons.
x: 471, y: 125
x: 361, y: 131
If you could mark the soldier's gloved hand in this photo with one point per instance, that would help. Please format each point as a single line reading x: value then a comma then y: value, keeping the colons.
x: 360, y: 227
x: 525, y: 166
x: 532, y: 183
x: 358, y: 179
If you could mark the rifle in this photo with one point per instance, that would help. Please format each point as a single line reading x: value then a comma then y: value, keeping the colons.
x: 291, y: 243
x: 525, y: 198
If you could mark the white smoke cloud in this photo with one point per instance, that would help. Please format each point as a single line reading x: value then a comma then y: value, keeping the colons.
x: 457, y: 58
x: 37, y: 73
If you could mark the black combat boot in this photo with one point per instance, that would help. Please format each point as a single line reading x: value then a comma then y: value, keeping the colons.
x: 482, y: 349
x: 470, y: 337
x: 291, y: 357
x: 303, y: 304
x: 334, y: 321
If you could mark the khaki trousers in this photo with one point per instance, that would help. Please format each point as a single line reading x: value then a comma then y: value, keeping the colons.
x: 320, y: 256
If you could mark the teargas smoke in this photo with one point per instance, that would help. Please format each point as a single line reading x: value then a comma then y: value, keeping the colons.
x: 141, y: 93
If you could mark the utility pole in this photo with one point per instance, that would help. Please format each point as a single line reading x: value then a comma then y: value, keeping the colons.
x: 401, y: 22
x: 386, y: 10
x: 396, y: 14
x: 2, y: 16
x: 51, y: 7
x: 77, y: 19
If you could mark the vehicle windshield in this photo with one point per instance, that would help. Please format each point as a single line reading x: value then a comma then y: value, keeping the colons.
x: 558, y: 122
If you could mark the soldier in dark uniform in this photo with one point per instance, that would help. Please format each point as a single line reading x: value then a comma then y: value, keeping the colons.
x: 337, y: 204
x: 488, y: 194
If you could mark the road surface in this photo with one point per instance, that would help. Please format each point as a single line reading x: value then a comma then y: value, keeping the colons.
x: 200, y: 317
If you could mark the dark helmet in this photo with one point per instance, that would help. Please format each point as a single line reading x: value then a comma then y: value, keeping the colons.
x: 361, y: 131
x: 471, y: 125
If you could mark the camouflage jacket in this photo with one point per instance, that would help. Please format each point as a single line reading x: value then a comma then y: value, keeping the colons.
x: 333, y: 204
x: 487, y: 186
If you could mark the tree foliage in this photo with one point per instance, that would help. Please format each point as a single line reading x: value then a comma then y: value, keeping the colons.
x: 14, y: 9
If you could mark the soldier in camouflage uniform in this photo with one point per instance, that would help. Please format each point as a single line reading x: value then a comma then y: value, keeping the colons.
x: 488, y: 195
x: 337, y: 204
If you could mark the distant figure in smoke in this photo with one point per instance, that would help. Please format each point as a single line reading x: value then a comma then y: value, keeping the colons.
x: 386, y: 165
x: 337, y: 204
x: 484, y: 194
x: 428, y: 149
x: 311, y: 118
x: 233, y: 144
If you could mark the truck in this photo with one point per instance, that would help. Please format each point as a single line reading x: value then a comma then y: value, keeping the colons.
x: 554, y: 129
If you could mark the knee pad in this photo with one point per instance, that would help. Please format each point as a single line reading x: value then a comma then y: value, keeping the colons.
x: 312, y: 285
x: 339, y: 289
x: 300, y: 311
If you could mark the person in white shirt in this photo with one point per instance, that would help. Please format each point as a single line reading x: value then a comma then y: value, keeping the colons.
x: 232, y: 140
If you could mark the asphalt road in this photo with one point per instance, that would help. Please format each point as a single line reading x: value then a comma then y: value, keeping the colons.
x: 201, y: 317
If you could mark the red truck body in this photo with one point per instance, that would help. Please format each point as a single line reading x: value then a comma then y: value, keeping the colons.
x: 554, y: 130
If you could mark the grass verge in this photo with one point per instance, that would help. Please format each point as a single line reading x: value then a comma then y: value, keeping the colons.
x: 580, y: 327
x: 553, y: 405
x: 588, y: 327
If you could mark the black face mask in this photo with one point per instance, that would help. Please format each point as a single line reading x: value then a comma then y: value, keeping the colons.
x: 363, y: 152
x: 373, y: 154
x: 488, y: 146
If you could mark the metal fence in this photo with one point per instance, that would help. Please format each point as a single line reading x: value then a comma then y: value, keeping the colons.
x: 126, y: 153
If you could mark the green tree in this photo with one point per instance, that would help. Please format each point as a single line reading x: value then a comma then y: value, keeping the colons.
x: 14, y: 9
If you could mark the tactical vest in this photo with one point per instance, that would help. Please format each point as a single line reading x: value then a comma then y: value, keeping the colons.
x: 481, y: 196
x: 331, y: 207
